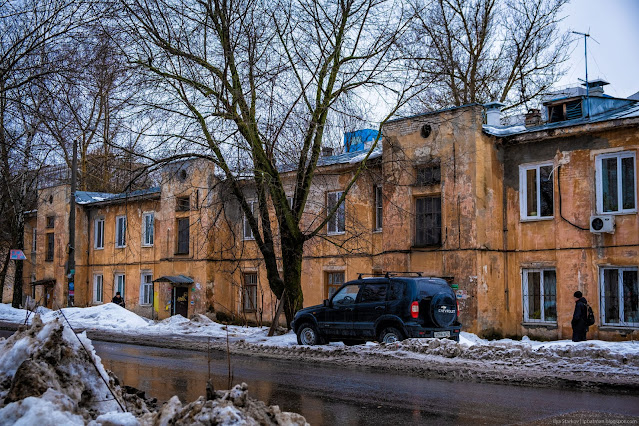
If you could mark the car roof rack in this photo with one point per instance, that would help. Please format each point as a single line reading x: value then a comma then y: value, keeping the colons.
x: 389, y: 274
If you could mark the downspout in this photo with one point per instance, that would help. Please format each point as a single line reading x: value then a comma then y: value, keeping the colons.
x: 504, y: 218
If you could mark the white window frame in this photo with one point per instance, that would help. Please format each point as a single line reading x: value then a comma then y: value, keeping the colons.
x: 118, y: 220
x: 542, y: 295
x: 146, y: 241
x: 602, y: 301
x: 523, y: 190
x: 599, y: 184
x: 379, y: 208
x: 247, y: 232
x: 98, y: 288
x: 116, y: 285
x: 98, y: 224
x: 334, y: 221
x: 143, y: 286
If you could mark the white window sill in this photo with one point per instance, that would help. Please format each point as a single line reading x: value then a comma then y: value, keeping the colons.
x: 539, y: 324
x: 147, y: 245
x: 377, y: 231
x: 336, y: 233
x: 618, y: 327
x: 623, y: 212
x: 124, y: 246
x: 98, y: 248
x: 98, y: 303
x: 536, y: 219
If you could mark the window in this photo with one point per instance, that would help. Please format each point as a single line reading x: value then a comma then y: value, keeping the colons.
x: 428, y: 175
x: 347, y: 295
x: 119, y: 283
x: 249, y: 294
x: 146, y: 289
x: 148, y: 227
x: 619, y: 296
x: 616, y: 177
x: 183, y: 236
x: 428, y: 221
x: 378, y: 208
x: 536, y: 191
x: 540, y: 295
x: 336, y: 224
x: 50, y: 247
x: 247, y: 232
x: 373, y: 293
x: 97, y: 288
x: 120, y: 231
x: 334, y: 281
x: 98, y: 235
x: 566, y: 111
x: 50, y: 222
x: 182, y: 204
x: 34, y: 241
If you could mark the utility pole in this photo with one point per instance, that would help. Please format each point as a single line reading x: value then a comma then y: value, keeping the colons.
x: 587, y: 84
x: 71, y: 261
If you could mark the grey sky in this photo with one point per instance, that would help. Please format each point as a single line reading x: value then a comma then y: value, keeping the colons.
x: 615, y: 25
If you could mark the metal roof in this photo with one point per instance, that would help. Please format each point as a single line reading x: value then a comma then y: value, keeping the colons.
x: 87, y: 198
x: 345, y: 158
x: 627, y: 111
x: 174, y: 279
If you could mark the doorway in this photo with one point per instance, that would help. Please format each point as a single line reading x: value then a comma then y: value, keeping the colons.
x: 180, y: 302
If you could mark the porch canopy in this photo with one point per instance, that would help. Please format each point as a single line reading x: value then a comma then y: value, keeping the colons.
x: 174, y: 279
x: 46, y: 281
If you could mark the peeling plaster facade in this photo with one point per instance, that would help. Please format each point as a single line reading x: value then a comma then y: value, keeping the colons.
x: 485, y: 247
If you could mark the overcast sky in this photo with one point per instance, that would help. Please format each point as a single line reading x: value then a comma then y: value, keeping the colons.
x: 615, y: 25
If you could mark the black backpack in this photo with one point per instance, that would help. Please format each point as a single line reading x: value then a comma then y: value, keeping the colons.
x: 590, y: 316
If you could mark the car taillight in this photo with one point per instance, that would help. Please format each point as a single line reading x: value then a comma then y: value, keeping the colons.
x: 457, y: 303
x: 414, y: 309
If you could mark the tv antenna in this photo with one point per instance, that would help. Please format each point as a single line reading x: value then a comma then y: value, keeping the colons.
x: 586, y: 35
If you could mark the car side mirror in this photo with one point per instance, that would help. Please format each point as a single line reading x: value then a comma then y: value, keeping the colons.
x: 326, y: 302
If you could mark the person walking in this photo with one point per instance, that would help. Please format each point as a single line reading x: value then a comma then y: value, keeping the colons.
x: 118, y: 300
x: 580, y: 318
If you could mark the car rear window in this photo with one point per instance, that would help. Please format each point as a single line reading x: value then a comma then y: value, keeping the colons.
x: 373, y: 293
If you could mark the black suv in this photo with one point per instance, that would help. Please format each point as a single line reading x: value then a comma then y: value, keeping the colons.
x: 386, y: 309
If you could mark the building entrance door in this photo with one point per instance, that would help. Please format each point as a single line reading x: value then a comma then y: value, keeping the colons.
x: 180, y: 302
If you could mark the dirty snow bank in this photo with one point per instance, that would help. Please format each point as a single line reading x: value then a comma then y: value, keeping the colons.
x: 51, y: 376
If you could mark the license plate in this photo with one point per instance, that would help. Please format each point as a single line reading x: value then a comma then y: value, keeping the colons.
x: 441, y: 334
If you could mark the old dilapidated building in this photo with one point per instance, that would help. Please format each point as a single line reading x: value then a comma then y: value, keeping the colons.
x: 518, y: 217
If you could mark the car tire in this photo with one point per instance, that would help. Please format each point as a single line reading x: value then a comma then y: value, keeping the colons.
x: 390, y: 335
x: 307, y: 334
x: 349, y: 342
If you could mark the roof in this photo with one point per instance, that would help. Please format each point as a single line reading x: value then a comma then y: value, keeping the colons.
x: 174, y: 279
x: 88, y: 198
x: 423, y: 114
x: 627, y: 111
x: 345, y: 158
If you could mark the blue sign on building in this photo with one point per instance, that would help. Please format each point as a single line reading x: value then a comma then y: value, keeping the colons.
x: 358, y: 140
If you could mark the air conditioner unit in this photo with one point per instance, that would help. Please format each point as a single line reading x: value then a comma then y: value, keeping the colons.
x: 599, y: 224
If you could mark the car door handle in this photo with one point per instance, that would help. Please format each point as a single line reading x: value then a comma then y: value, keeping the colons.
x: 379, y: 308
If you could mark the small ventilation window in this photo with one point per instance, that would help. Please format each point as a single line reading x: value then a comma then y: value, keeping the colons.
x: 567, y: 111
x: 182, y: 204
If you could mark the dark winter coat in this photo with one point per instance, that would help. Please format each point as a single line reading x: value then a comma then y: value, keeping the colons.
x: 118, y: 300
x: 580, y: 320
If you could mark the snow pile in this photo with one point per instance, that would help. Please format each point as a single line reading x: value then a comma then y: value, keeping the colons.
x: 108, y: 316
x: 231, y: 407
x: 50, y: 376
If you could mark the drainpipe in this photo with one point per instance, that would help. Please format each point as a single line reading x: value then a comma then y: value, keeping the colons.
x: 70, y: 291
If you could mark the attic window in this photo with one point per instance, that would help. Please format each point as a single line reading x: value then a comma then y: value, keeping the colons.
x: 566, y: 111
x: 428, y: 174
x: 182, y: 204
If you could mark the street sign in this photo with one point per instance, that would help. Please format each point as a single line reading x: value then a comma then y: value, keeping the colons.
x: 17, y: 255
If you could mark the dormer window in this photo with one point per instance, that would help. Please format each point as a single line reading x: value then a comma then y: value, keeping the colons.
x: 565, y: 111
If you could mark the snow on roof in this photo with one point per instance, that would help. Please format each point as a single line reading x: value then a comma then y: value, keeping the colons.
x: 626, y: 111
x: 87, y: 197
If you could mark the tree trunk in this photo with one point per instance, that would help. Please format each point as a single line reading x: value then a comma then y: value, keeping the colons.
x: 3, y: 272
x: 292, y: 255
x: 17, y: 279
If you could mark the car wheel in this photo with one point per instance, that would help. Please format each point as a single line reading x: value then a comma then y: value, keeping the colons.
x: 390, y: 335
x: 348, y: 342
x: 307, y: 334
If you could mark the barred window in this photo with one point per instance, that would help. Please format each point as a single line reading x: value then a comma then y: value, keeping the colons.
x: 540, y: 295
x: 249, y: 295
x: 620, y: 296
x: 428, y: 221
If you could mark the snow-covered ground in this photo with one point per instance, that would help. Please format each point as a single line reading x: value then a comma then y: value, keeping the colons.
x: 51, y: 376
x: 593, y: 362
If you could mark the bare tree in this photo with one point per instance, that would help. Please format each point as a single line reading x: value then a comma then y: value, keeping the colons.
x: 259, y: 83
x: 31, y: 34
x: 485, y: 50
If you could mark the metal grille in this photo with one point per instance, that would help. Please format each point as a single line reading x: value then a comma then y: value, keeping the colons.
x: 428, y: 221
x: 183, y: 236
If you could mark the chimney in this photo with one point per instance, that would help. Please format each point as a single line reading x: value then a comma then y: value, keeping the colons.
x: 327, y: 151
x: 596, y: 87
x: 533, y: 118
x: 493, y: 113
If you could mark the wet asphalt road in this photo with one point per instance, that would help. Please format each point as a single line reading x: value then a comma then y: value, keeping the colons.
x: 356, y: 396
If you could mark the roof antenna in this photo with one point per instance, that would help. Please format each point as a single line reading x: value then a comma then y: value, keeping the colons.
x: 586, y: 35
